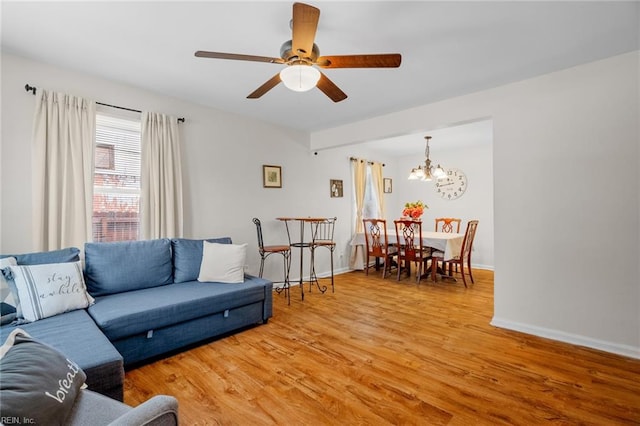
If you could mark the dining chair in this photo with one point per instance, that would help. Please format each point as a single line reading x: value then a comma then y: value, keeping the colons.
x: 410, y: 247
x: 377, y: 243
x: 322, y: 236
x: 465, y: 253
x: 448, y: 224
x: 266, y: 251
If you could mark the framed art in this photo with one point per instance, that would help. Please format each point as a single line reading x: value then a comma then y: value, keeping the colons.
x: 388, y: 185
x: 335, y: 186
x: 271, y: 176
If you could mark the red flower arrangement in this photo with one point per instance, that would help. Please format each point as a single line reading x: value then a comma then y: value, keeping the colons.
x: 414, y: 210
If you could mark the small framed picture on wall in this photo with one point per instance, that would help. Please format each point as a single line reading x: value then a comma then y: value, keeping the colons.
x: 335, y: 186
x: 271, y: 176
x: 388, y: 185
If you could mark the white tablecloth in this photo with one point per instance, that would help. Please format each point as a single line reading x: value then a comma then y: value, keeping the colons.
x: 449, y: 243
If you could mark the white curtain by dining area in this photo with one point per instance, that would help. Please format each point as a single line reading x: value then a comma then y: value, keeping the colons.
x: 62, y: 165
x: 161, y: 204
x: 359, y: 170
x: 376, y: 175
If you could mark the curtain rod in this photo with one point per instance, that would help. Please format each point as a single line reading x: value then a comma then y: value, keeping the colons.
x: 359, y: 159
x: 29, y: 88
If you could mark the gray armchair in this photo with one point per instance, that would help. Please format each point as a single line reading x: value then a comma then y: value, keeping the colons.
x: 94, y: 409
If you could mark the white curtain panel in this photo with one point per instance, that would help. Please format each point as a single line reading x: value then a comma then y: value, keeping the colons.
x: 359, y: 168
x: 376, y: 174
x: 161, y: 202
x: 63, y: 150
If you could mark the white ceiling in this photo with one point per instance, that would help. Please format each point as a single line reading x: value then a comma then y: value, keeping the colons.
x: 448, y: 48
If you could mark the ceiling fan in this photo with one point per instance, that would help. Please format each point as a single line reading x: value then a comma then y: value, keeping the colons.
x: 300, y: 54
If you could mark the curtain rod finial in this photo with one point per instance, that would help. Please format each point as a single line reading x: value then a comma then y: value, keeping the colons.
x: 30, y: 88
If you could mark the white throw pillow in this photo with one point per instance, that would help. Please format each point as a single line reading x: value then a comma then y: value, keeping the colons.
x: 50, y: 289
x: 222, y: 263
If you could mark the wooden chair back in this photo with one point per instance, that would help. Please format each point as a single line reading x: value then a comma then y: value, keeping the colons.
x: 467, y: 243
x: 375, y: 236
x: 448, y: 224
x: 409, y: 239
x: 465, y: 253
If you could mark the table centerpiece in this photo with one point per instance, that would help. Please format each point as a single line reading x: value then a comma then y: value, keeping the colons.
x: 414, y: 210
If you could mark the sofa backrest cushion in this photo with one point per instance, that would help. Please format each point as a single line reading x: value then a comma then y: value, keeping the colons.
x: 187, y: 257
x: 127, y: 265
x: 70, y: 254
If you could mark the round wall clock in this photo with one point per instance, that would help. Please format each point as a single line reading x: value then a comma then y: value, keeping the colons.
x: 453, y: 186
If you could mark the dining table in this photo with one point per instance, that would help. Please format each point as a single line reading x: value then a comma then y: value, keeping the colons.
x: 302, y: 244
x: 449, y: 243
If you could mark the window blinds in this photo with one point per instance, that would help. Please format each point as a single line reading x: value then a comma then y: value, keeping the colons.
x: 116, y: 185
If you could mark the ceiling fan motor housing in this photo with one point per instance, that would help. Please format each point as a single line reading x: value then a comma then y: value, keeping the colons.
x: 287, y: 53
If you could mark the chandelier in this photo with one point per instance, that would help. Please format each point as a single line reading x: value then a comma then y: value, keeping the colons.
x: 427, y: 172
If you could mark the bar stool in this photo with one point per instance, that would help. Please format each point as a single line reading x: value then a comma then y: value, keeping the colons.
x: 322, y: 236
x: 266, y: 251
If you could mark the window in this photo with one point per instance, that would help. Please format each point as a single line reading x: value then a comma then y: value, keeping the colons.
x: 371, y: 206
x: 116, y: 182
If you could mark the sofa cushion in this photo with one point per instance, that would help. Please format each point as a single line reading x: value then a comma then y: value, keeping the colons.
x: 71, y: 254
x: 50, y: 289
x: 187, y: 257
x: 223, y: 263
x: 127, y: 265
x: 126, y: 314
x: 38, y: 382
x: 77, y: 336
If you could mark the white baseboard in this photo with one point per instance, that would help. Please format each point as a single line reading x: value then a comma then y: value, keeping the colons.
x: 574, y: 339
x: 487, y: 267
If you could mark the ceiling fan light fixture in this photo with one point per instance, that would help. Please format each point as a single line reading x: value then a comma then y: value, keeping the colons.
x: 300, y: 78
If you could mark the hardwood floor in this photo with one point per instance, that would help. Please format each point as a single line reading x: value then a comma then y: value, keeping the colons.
x: 386, y: 352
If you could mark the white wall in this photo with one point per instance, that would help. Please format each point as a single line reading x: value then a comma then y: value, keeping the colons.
x: 566, y: 233
x: 223, y: 156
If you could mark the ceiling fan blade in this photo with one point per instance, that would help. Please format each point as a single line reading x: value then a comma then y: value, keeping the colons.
x: 270, y: 84
x: 237, y: 57
x: 329, y: 88
x: 305, y: 24
x: 385, y: 60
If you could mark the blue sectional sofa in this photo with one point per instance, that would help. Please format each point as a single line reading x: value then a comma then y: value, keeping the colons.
x: 148, y: 302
